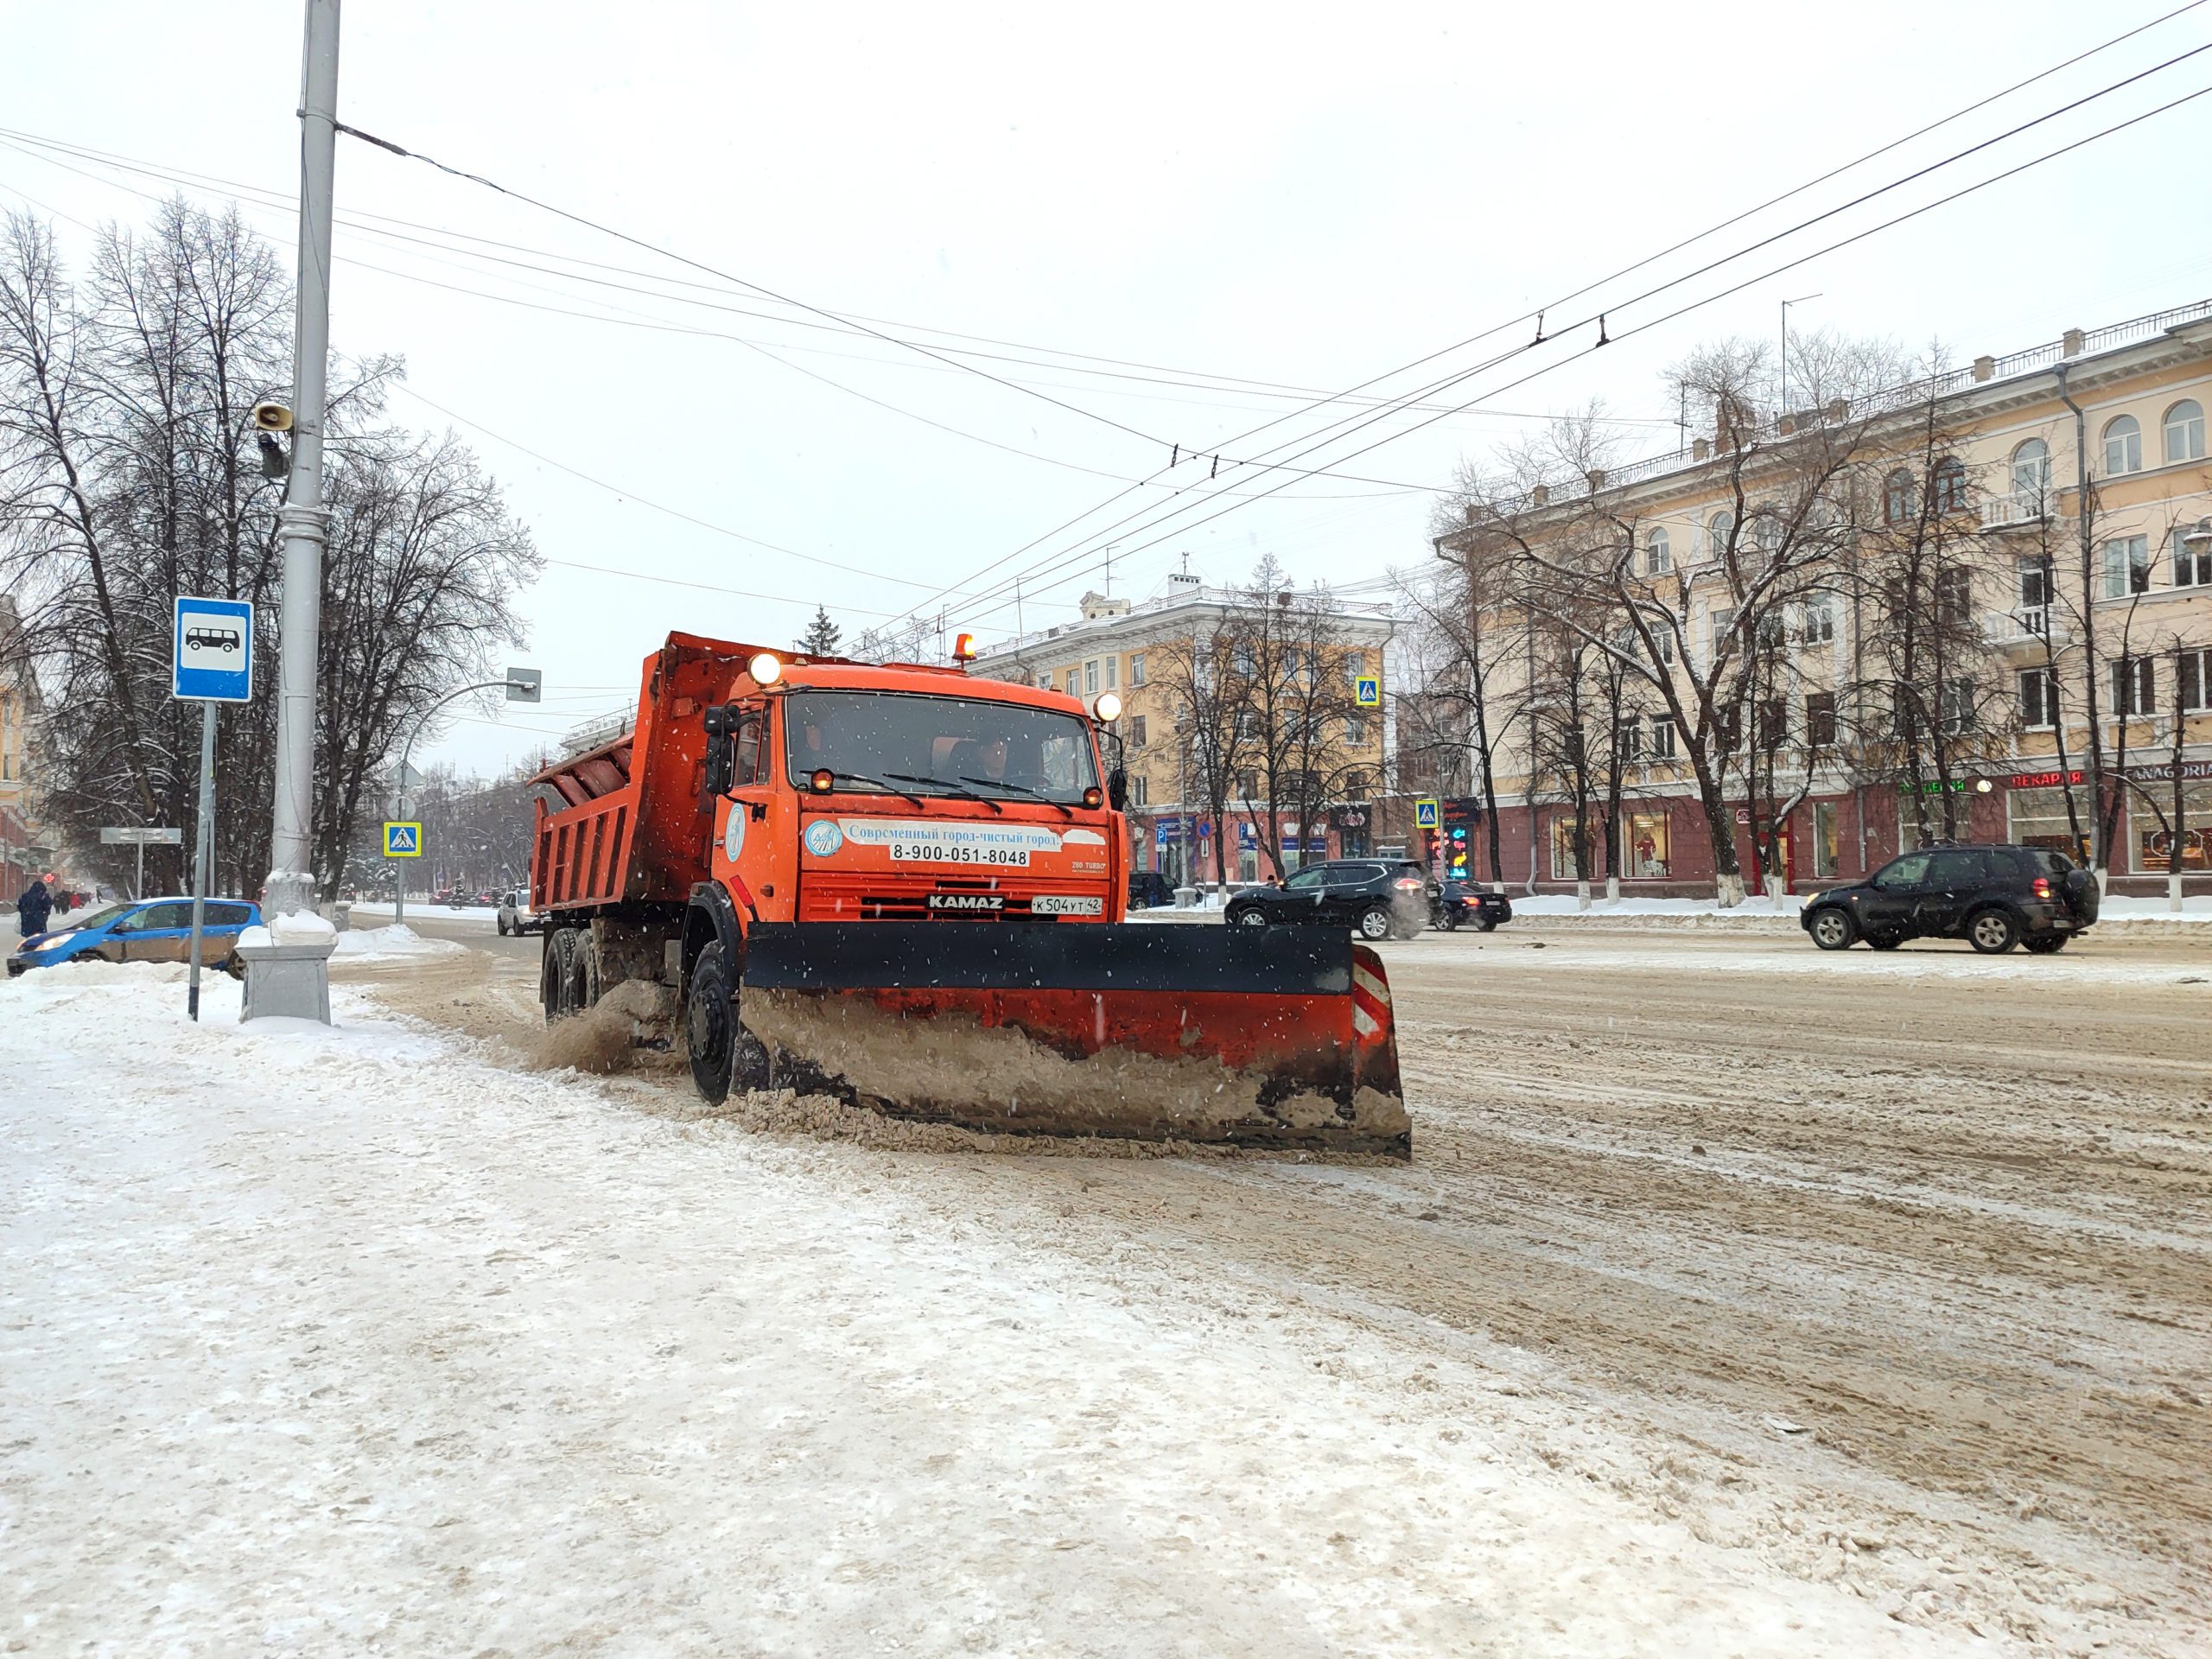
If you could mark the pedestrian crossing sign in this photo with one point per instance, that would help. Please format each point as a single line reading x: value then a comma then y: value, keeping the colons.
x: 1426, y: 814
x: 403, y: 841
x: 1367, y: 691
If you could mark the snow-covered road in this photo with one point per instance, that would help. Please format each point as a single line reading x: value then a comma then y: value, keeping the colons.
x: 347, y: 1342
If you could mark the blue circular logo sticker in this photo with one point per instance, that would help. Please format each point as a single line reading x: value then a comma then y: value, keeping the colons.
x: 823, y: 837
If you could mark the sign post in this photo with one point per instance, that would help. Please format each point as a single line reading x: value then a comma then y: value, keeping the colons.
x: 213, y: 663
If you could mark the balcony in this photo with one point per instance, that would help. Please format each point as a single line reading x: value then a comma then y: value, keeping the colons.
x: 2029, y: 625
x: 2027, y: 507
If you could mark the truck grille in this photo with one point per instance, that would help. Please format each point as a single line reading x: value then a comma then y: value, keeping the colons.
x: 876, y: 899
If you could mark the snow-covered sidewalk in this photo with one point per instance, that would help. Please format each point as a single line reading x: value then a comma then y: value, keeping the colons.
x: 341, y: 1342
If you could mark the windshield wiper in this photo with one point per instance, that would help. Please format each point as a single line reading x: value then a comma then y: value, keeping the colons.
x: 964, y: 794
x: 1009, y: 783
x: 887, y: 786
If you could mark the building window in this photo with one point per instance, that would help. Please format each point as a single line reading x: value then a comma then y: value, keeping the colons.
x: 1247, y: 785
x: 1644, y: 844
x: 2123, y: 446
x: 1090, y: 676
x: 1820, y: 622
x: 1139, y: 790
x: 1658, y: 554
x: 1563, y: 865
x: 2183, y: 430
x: 1113, y: 667
x: 2035, y: 584
x: 1248, y: 664
x: 1719, y: 530
x: 1136, y: 731
x: 1136, y: 669
x: 1826, y: 841
x: 2194, y: 669
x: 2154, y: 842
x: 2193, y: 555
x: 1773, y: 723
x: 1899, y: 499
x: 2032, y: 468
x: 2128, y: 566
x: 1355, y: 787
x: 2038, y: 698
x: 1355, y: 731
x: 1954, y: 596
x: 1628, y: 740
x: 1074, y: 681
x: 2135, y: 686
x: 1958, y: 710
x: 1663, y: 737
x: 1819, y: 720
x: 2037, y: 817
x: 1950, y: 485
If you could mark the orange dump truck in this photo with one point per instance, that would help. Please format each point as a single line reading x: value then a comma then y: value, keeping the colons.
x: 904, y: 886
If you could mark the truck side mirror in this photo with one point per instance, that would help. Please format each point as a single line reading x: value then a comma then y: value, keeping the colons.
x: 1117, y: 789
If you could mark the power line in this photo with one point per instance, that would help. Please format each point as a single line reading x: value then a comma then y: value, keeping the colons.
x: 1540, y: 313
x: 1355, y: 425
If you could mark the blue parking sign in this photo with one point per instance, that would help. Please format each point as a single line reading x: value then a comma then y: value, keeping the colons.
x: 213, y: 659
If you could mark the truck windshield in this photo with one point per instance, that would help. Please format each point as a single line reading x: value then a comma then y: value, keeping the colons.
x: 937, y: 745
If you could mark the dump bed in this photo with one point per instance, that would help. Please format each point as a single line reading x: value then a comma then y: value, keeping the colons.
x: 635, y: 821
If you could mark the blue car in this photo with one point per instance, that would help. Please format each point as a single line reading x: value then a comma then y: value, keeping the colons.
x: 144, y: 930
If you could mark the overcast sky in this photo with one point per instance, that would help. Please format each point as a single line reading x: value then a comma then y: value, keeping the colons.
x: 1304, y: 198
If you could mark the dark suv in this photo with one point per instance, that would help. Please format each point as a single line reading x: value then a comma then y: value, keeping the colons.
x: 1993, y: 898
x: 1383, y: 899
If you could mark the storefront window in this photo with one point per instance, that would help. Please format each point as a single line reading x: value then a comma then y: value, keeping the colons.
x: 1563, y: 849
x: 2154, y: 837
x: 1645, y: 850
x: 1824, y: 838
x: 2037, y: 817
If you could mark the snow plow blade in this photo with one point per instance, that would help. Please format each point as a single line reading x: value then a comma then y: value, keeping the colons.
x: 1156, y: 1032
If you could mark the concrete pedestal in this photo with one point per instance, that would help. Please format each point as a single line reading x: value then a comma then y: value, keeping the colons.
x: 1185, y: 898
x: 290, y: 982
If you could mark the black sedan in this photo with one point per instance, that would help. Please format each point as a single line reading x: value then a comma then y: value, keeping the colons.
x: 1378, y: 898
x: 1456, y: 906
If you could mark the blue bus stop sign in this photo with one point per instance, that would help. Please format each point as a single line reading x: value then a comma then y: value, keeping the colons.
x: 214, y: 659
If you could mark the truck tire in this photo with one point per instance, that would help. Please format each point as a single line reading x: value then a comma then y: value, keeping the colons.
x: 553, y: 973
x: 724, y: 1056
x: 584, y: 972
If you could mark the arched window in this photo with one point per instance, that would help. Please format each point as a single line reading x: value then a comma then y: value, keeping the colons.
x: 2184, y: 431
x: 2031, y: 469
x: 1718, y: 530
x: 1658, y: 554
x: 1950, y: 485
x: 1899, y: 499
x: 2123, y: 446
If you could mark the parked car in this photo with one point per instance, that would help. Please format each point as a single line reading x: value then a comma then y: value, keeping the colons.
x: 518, y: 915
x: 1380, y: 899
x: 1149, y: 890
x: 1456, y: 905
x: 149, y: 929
x: 1993, y: 898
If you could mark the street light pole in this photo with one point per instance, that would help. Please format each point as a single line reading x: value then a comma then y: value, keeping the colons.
x: 521, y: 685
x: 292, y: 977
x: 304, y: 524
x: 1786, y: 304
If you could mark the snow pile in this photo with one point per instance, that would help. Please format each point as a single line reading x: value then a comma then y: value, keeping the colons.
x: 337, y: 1341
x: 381, y: 944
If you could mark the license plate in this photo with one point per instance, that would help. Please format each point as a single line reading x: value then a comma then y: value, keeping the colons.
x: 929, y: 852
x: 1067, y: 904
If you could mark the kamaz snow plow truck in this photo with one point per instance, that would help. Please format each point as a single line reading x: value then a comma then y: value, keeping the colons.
x: 904, y: 886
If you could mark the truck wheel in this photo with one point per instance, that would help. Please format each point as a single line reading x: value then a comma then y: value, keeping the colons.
x: 553, y: 973
x: 724, y: 1056
x: 584, y: 972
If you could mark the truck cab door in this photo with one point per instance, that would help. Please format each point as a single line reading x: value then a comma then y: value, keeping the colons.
x: 755, y: 856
